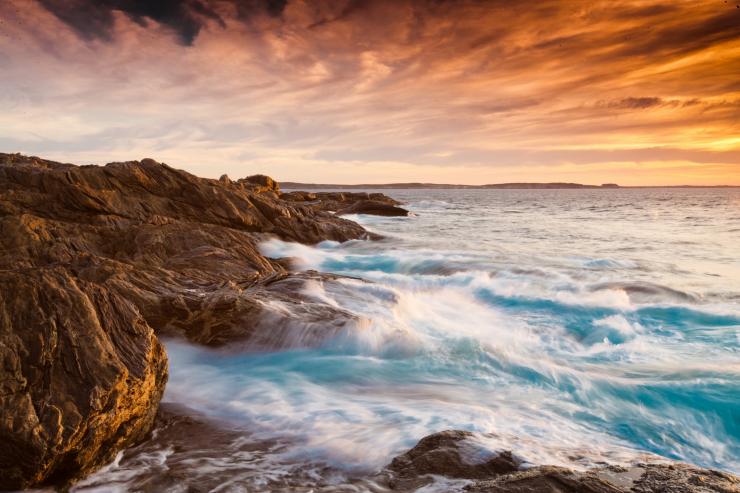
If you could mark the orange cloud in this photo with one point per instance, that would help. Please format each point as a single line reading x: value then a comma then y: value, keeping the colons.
x: 636, y: 92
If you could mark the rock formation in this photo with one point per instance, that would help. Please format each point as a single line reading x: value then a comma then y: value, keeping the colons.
x: 459, y: 455
x: 82, y: 375
x: 96, y: 261
x: 343, y: 203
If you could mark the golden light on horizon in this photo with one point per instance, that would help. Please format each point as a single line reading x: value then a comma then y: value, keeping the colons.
x: 633, y: 92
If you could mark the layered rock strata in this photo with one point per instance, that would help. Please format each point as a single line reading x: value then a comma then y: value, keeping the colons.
x: 96, y: 261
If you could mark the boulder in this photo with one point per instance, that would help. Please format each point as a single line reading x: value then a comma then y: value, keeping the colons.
x: 453, y: 454
x: 462, y: 455
x: 83, y: 374
x: 261, y: 183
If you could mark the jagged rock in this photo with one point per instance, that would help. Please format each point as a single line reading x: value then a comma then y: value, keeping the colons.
x: 94, y: 260
x: 458, y: 455
x: 451, y: 453
x: 82, y: 375
x: 265, y: 315
x: 149, y: 192
x: 348, y: 202
x: 374, y: 207
x: 262, y: 183
x: 299, y: 196
x: 644, y: 478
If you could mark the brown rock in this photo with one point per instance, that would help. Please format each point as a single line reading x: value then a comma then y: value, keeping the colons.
x: 546, y: 479
x: 95, y: 260
x: 82, y: 376
x: 448, y: 454
x: 262, y: 183
x: 348, y: 202
x: 373, y: 207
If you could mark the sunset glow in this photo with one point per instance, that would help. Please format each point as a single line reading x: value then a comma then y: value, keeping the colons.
x: 631, y: 92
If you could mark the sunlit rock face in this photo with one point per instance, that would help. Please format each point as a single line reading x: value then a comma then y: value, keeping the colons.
x: 96, y: 261
x: 82, y: 376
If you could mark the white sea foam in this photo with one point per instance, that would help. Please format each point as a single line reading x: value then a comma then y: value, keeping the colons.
x: 564, y: 332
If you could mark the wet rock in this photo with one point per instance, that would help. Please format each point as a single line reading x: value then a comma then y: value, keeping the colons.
x: 546, y: 479
x: 267, y: 315
x: 684, y: 478
x: 96, y: 260
x: 453, y: 454
x: 191, y: 452
x: 457, y: 455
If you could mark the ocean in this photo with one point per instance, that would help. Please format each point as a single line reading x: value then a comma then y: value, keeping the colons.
x: 573, y: 327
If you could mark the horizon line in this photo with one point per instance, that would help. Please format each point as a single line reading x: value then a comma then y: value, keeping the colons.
x: 288, y: 184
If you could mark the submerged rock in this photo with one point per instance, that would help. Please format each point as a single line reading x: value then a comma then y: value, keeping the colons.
x: 96, y: 260
x: 457, y: 455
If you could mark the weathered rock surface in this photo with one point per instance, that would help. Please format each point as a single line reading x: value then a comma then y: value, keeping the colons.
x: 82, y: 375
x: 450, y: 453
x: 96, y: 260
x: 457, y: 455
x: 373, y: 207
x: 343, y: 203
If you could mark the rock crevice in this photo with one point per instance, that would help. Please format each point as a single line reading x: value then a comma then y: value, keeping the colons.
x: 96, y: 261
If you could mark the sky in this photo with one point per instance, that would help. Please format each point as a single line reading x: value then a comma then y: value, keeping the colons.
x: 638, y: 92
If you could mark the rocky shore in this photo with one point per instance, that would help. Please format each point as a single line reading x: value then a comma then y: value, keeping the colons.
x: 461, y: 455
x: 98, y: 262
x: 343, y: 203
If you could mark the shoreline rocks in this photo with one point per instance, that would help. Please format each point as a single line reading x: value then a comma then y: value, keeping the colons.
x: 82, y: 377
x: 343, y: 203
x: 456, y: 454
x: 96, y: 262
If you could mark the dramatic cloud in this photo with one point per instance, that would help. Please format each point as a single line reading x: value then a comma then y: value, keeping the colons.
x: 632, y: 91
x: 94, y: 18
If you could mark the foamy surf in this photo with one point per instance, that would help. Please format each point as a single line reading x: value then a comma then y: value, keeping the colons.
x: 469, y: 319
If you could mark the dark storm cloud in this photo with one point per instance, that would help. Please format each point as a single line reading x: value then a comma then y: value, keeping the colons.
x: 89, y: 19
x: 247, y: 8
x: 94, y: 19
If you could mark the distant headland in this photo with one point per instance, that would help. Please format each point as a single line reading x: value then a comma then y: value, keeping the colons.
x: 289, y: 185
x: 315, y: 186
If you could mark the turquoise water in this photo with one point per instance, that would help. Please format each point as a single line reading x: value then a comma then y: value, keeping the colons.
x: 575, y: 326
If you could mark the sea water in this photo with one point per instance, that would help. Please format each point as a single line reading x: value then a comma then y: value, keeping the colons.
x: 573, y: 327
